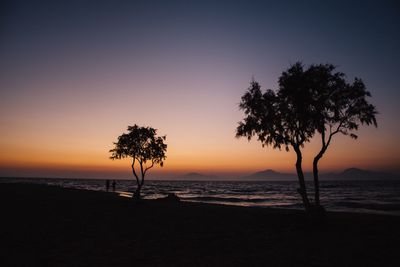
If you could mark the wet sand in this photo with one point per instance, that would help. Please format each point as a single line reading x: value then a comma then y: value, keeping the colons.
x: 52, y: 226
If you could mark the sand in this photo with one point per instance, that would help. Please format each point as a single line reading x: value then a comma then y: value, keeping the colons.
x: 52, y: 226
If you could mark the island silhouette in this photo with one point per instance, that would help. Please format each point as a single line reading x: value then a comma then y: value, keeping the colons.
x: 349, y: 174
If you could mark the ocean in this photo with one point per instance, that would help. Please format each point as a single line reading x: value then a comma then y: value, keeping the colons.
x: 381, y: 196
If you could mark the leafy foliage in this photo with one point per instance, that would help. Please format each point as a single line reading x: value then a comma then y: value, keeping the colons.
x: 141, y: 144
x: 339, y: 106
x: 278, y: 119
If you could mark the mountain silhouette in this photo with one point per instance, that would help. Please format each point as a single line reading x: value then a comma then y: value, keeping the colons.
x: 347, y: 174
x: 272, y: 175
x: 360, y: 174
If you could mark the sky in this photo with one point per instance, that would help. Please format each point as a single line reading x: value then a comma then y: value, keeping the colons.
x: 75, y: 74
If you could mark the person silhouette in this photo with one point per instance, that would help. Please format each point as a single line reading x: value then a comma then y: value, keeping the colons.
x: 107, y: 185
x: 113, y: 185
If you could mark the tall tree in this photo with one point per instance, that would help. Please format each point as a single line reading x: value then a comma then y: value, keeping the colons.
x: 338, y: 107
x: 308, y: 101
x: 145, y: 149
x: 280, y: 119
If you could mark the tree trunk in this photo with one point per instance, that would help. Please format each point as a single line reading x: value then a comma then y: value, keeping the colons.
x: 315, y: 167
x: 302, y: 190
x: 316, y: 178
x: 136, y: 195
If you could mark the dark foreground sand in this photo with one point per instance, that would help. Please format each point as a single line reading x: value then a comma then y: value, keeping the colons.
x: 50, y: 226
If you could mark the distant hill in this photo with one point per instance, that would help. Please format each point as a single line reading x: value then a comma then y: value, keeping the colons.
x: 359, y: 174
x: 348, y: 174
x: 271, y: 175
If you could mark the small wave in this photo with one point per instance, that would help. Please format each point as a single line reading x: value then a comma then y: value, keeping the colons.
x: 226, y: 199
x: 370, y: 206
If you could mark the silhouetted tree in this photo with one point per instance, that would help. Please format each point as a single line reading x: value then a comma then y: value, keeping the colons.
x: 338, y: 107
x: 144, y: 148
x: 280, y: 119
x: 315, y: 100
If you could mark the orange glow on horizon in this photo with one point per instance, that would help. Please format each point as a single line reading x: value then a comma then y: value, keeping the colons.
x: 75, y: 134
x: 236, y: 157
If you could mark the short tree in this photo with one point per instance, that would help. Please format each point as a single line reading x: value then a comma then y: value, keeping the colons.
x: 145, y: 150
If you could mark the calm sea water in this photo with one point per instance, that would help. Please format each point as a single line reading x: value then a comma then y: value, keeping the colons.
x: 357, y: 196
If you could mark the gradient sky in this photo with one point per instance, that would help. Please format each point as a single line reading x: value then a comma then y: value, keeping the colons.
x: 75, y: 74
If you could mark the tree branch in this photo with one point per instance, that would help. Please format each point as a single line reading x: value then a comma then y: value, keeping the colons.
x: 141, y: 171
x: 323, y: 137
x: 147, y: 168
x: 334, y: 132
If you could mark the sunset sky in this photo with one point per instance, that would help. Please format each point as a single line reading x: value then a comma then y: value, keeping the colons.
x: 75, y: 74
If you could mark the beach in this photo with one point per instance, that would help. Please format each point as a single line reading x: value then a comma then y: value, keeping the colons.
x: 53, y: 226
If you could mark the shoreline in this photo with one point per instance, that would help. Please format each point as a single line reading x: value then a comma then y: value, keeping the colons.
x: 363, y: 200
x: 54, y: 226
